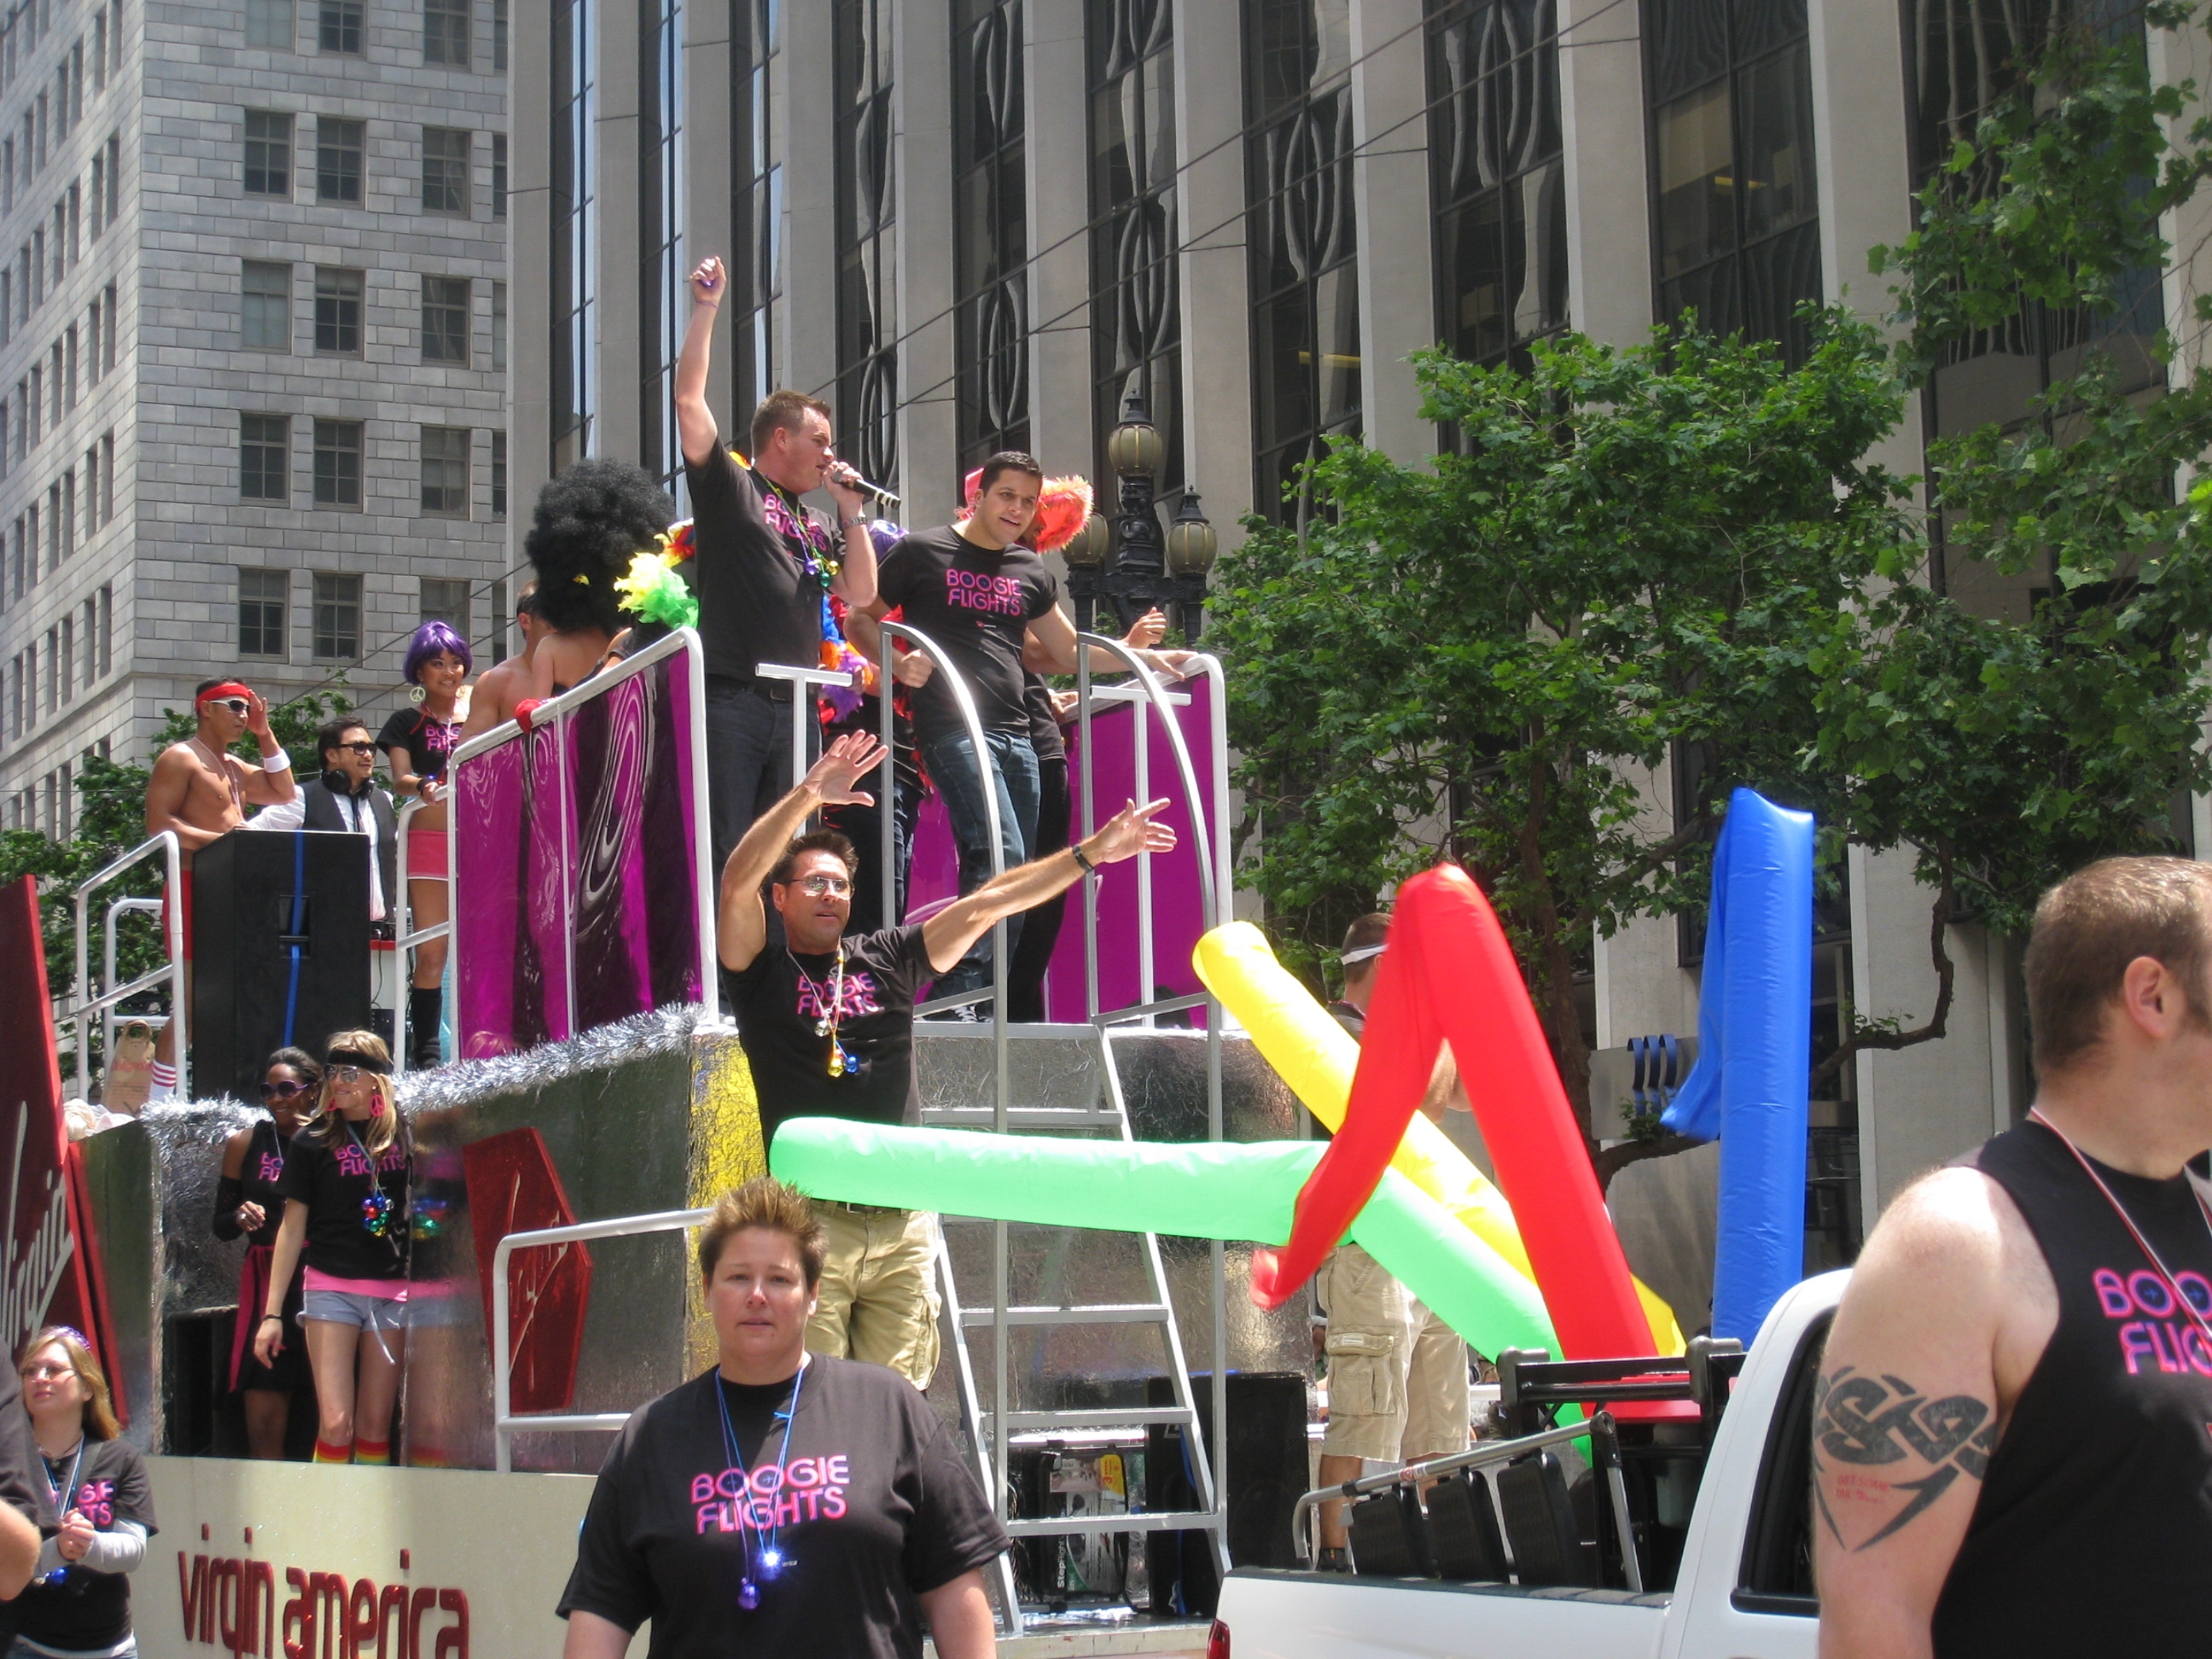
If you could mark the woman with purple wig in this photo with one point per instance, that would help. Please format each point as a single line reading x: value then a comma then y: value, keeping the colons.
x: 418, y: 741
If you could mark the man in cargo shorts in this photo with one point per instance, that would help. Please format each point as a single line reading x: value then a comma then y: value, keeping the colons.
x: 1397, y: 1374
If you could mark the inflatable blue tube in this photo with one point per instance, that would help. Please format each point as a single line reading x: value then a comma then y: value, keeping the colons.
x: 1750, y: 1087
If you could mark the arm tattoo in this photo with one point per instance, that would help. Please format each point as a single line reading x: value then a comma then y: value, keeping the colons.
x: 1868, y: 1421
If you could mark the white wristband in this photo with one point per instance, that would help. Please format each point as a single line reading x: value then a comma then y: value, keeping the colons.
x: 280, y: 762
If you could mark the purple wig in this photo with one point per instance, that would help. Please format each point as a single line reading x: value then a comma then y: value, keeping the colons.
x: 430, y: 639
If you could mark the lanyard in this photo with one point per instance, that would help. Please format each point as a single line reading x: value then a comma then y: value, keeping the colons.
x: 2173, y: 1286
x: 771, y: 1556
x: 68, y: 1486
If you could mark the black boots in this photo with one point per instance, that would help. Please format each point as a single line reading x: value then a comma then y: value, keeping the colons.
x: 424, y: 1007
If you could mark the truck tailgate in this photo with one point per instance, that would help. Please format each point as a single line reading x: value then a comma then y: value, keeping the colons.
x: 1306, y: 1615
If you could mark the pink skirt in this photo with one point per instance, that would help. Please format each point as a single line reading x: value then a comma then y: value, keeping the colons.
x: 426, y: 855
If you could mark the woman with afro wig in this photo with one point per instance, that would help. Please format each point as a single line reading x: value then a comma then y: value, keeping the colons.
x: 588, y: 524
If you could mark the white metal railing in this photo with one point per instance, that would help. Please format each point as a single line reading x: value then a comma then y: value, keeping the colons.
x: 806, y: 686
x: 505, y: 1424
x: 404, y: 936
x: 108, y: 1018
x: 89, y: 1001
x: 682, y: 641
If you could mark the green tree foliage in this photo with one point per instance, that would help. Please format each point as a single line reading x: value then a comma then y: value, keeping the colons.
x: 1683, y: 545
x: 111, y: 820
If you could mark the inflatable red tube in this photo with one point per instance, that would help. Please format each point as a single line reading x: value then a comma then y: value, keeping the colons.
x: 1450, y: 974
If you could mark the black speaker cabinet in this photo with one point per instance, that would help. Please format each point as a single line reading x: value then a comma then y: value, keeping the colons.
x: 1268, y: 1472
x: 280, y: 950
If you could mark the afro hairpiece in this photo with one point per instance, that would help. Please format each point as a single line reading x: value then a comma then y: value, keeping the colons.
x: 587, y: 525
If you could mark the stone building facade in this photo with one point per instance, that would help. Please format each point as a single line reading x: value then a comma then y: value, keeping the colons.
x: 252, y: 369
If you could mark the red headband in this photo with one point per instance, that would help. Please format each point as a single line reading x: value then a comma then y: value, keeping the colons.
x: 228, y: 689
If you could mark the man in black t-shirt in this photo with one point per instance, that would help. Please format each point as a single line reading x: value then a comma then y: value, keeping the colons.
x: 993, y: 607
x: 827, y: 1023
x: 763, y: 564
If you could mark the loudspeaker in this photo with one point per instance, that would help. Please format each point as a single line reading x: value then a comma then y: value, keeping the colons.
x: 1540, y: 1522
x: 1463, y: 1530
x: 1268, y: 1472
x: 279, y: 947
x: 1389, y: 1536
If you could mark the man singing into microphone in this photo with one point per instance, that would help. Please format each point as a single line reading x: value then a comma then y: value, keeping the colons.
x: 764, y: 566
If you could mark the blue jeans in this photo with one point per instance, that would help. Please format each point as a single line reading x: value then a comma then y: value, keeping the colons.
x: 951, y: 764
x: 748, y: 761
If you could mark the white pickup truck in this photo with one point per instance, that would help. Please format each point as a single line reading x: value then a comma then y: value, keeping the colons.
x: 1506, y: 1556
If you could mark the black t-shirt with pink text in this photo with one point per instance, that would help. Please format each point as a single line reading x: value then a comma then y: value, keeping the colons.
x: 868, y: 1505
x: 977, y: 605
x: 333, y: 1177
x: 782, y: 997
x: 89, y: 1611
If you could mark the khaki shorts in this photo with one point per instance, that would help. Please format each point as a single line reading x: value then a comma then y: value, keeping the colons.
x: 1397, y: 1374
x: 878, y: 1290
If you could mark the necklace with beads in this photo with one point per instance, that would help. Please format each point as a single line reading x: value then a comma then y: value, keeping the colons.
x: 831, y: 1005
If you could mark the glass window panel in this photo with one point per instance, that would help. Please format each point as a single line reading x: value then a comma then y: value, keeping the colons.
x: 338, y: 311
x: 1778, y: 186
x: 1763, y: 25
x: 340, y: 156
x: 268, y: 153
x: 338, y: 25
x: 263, y: 599
x: 445, y: 492
x: 264, y: 322
x: 264, y: 467
x: 446, y: 33
x: 337, y: 464
x: 338, y: 616
x: 1686, y: 42
x: 446, y: 171
x: 445, y: 600
x: 270, y: 24
x: 1697, y: 181
x: 445, y: 320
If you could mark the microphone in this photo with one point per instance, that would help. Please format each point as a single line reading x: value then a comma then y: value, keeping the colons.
x: 855, y: 481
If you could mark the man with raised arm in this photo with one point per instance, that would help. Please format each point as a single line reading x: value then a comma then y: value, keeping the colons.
x: 2012, y: 1443
x: 827, y: 1022
x: 764, y: 567
x: 200, y: 791
x: 506, y: 683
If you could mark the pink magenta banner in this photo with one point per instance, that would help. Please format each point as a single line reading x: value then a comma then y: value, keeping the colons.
x: 573, y: 864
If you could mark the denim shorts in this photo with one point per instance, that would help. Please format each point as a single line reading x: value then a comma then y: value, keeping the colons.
x: 368, y: 1313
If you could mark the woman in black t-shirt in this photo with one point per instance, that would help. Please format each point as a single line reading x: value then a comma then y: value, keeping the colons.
x: 782, y: 1503
x: 249, y: 1201
x: 78, y: 1602
x: 345, y: 1184
x: 418, y: 744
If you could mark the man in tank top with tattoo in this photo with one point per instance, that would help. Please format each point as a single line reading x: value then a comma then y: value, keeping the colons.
x: 2012, y: 1445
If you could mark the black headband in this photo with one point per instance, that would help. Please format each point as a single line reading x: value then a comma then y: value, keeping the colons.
x: 355, y: 1057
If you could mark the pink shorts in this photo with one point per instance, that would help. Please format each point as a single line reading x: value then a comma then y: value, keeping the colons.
x: 426, y: 855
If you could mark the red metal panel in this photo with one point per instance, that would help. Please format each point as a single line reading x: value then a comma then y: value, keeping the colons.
x: 513, y: 1188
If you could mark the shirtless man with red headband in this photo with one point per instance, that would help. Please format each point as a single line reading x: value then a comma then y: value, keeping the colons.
x: 200, y: 792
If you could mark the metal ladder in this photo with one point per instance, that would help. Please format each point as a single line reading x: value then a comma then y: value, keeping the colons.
x: 979, y: 1418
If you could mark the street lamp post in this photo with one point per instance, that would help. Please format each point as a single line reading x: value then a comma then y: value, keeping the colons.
x: 1135, y: 566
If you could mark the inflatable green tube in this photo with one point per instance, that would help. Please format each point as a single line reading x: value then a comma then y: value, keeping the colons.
x: 1209, y: 1189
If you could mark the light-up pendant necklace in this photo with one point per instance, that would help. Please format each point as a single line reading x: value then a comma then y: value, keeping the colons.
x: 842, y: 1058
x: 62, y: 1493
x: 771, y: 1562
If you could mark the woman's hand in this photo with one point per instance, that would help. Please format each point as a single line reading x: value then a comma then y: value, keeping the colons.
x: 251, y: 1216
x: 75, y: 1537
x: 269, y: 1340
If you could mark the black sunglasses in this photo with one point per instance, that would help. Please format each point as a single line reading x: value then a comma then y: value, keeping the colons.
x: 282, y: 1090
x: 364, y: 747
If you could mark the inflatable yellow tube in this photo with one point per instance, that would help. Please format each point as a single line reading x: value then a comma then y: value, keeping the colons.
x: 1316, y: 1057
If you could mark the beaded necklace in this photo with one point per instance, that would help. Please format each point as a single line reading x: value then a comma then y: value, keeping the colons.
x: 842, y: 1058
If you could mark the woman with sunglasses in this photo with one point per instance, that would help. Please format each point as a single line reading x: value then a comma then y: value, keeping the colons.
x: 249, y: 1201
x: 418, y: 743
x: 345, y: 1187
x: 77, y: 1605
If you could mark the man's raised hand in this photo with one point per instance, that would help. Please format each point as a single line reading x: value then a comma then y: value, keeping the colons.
x: 257, y: 715
x: 1130, y: 831
x: 845, y: 761
x: 707, y: 283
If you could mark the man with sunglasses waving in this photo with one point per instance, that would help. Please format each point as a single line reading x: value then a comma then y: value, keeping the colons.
x: 200, y: 792
x: 346, y: 798
x: 827, y: 1022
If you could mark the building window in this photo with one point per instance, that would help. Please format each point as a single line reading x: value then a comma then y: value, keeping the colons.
x: 263, y: 601
x: 270, y: 24
x: 114, y: 176
x: 499, y: 175
x: 991, y: 251
x: 499, y: 325
x: 1966, y: 58
x: 867, y: 304
x: 338, y: 311
x: 1496, y: 179
x: 1735, y: 235
x: 446, y: 33
x: 106, y: 477
x: 338, y: 465
x: 572, y: 213
x: 1136, y: 327
x: 446, y: 471
x: 338, y: 25
x: 446, y: 319
x: 499, y: 474
x: 1304, y: 271
x: 446, y: 171
x: 264, y: 315
x: 756, y: 205
x: 268, y: 153
x: 341, y: 157
x: 338, y: 616
x: 659, y: 230
x: 445, y: 600
x: 107, y: 340
x: 106, y: 664
x: 499, y: 37
x: 265, y: 464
